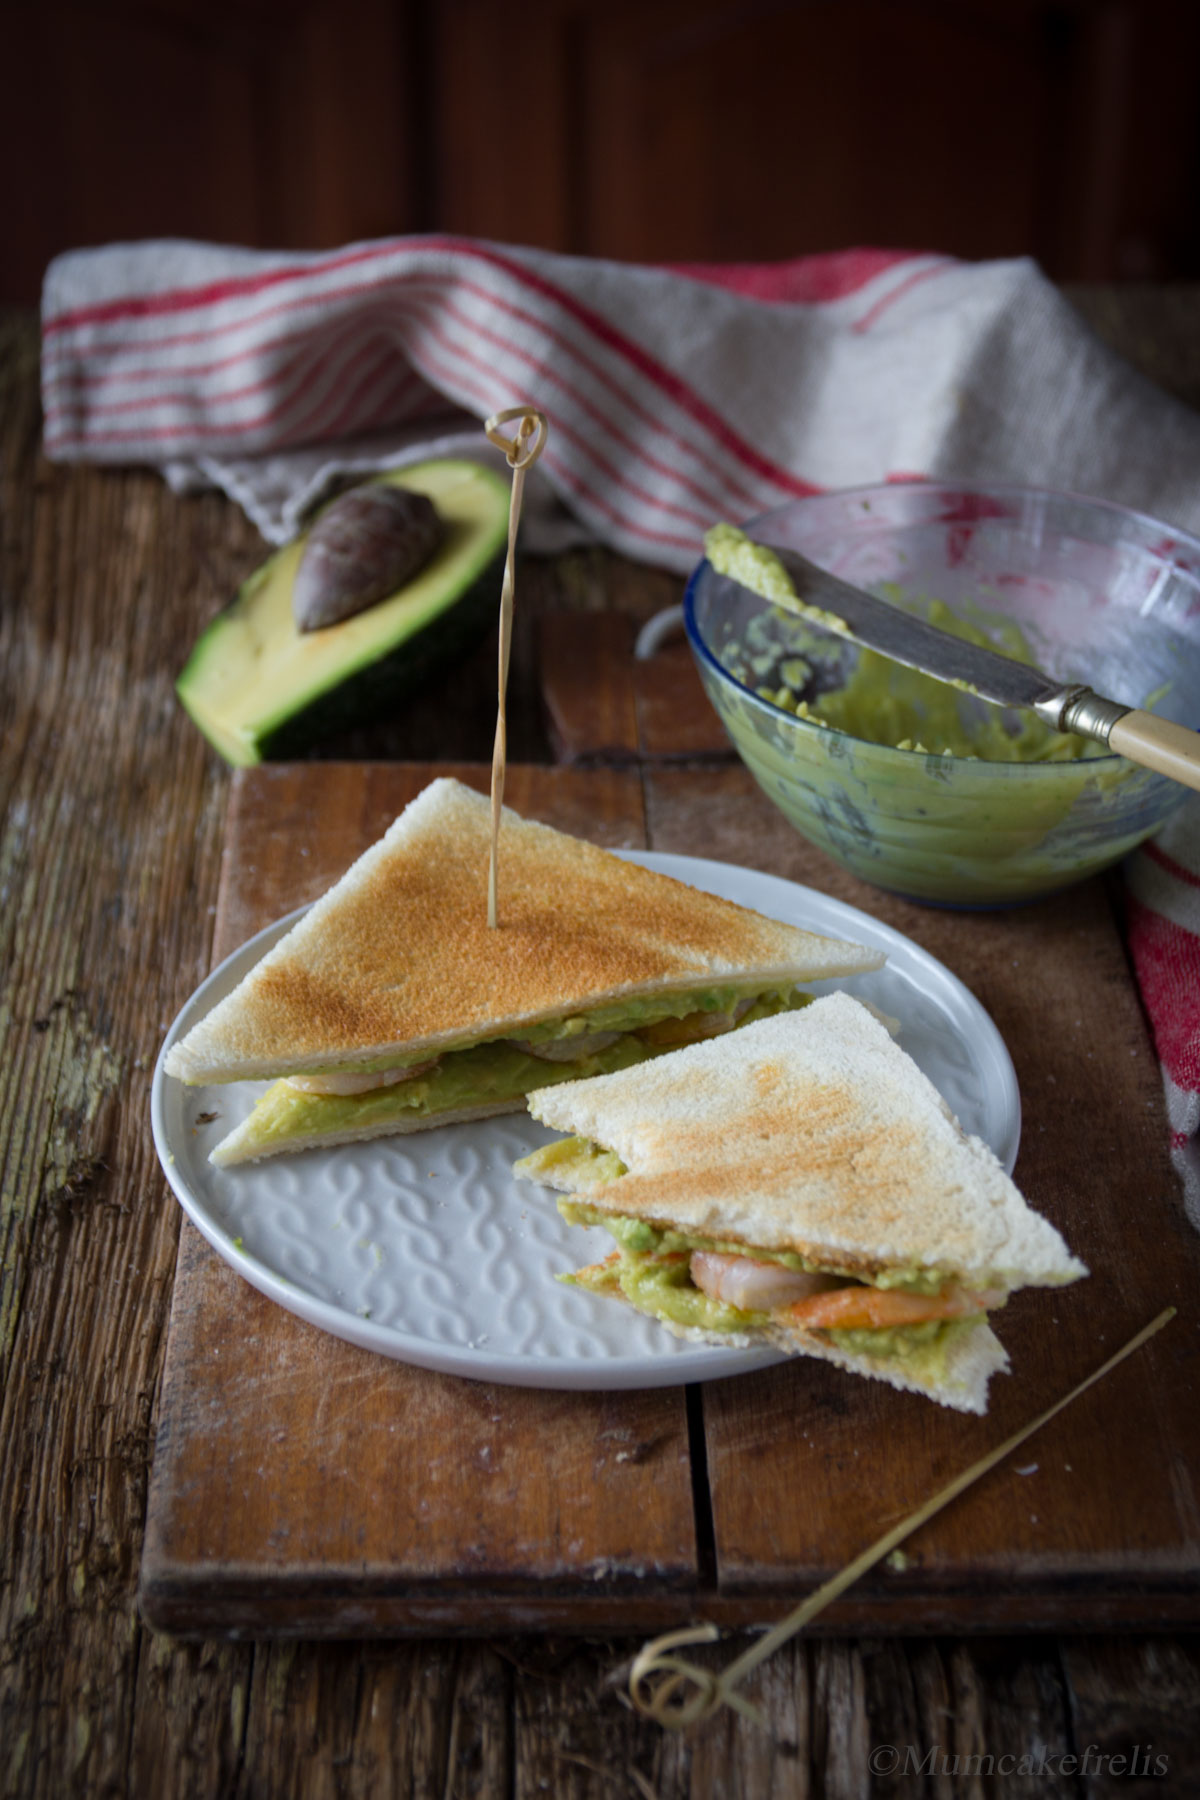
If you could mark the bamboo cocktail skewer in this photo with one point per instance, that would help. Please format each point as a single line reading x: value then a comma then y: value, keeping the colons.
x: 521, y: 451
x: 662, y: 1699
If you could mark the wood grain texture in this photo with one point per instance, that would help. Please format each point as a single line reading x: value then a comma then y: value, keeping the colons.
x: 1109, y: 1514
x: 316, y: 123
x: 354, y: 1521
x: 667, y: 129
x: 111, y: 831
x: 675, y: 721
x: 301, y: 1484
x: 111, y: 816
x: 255, y: 123
x: 587, y: 683
x: 602, y: 704
x: 1131, y: 1698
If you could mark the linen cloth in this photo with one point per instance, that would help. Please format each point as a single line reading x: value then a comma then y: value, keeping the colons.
x: 676, y: 397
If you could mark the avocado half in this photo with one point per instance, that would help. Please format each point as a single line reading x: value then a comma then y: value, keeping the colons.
x: 258, y: 687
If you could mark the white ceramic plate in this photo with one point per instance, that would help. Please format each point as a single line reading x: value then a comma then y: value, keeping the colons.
x: 427, y: 1249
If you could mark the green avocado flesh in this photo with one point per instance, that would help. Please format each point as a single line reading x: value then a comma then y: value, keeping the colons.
x: 258, y: 687
x: 653, y: 1272
x: 663, y: 1290
x: 883, y: 702
x: 484, y: 1074
x: 756, y: 567
x: 640, y: 1237
x: 285, y: 1117
x: 624, y: 1015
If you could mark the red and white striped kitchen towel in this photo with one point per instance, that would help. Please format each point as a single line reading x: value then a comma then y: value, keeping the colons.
x: 1162, y: 891
x: 676, y: 397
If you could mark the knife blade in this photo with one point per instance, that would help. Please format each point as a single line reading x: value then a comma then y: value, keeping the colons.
x: 829, y: 603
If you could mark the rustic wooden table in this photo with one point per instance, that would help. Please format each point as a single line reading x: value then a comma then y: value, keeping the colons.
x: 114, y: 814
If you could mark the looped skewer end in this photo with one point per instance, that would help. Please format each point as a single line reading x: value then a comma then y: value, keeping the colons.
x: 658, y: 1683
x: 657, y: 1699
x: 529, y: 441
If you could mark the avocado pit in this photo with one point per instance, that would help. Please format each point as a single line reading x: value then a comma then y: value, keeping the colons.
x: 366, y: 545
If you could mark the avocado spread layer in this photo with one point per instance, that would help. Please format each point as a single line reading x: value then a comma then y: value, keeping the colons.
x: 882, y: 701
x: 663, y: 1289
x: 489, y: 1073
x: 479, y: 1075
x: 640, y: 1237
x: 630, y: 1014
x: 653, y: 1272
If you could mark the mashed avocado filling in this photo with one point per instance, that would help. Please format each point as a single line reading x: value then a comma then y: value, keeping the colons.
x: 628, y: 1015
x: 756, y: 567
x: 885, y: 702
x: 662, y: 1288
x: 640, y: 1237
x: 482, y: 1074
x: 488, y: 1074
x: 652, y: 1271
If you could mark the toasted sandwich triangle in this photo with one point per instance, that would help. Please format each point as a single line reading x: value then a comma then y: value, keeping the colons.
x: 811, y: 1133
x: 397, y: 958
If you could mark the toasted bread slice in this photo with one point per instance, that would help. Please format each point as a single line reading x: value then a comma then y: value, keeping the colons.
x: 396, y: 963
x: 396, y: 1007
x: 812, y: 1133
x: 813, y: 1141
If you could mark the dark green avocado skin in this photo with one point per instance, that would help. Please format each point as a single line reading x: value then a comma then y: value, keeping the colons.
x: 379, y: 689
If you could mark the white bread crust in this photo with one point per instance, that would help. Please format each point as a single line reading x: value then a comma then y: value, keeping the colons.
x: 242, y: 1147
x: 972, y: 1358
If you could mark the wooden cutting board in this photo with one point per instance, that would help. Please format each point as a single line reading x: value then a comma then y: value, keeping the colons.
x: 303, y: 1486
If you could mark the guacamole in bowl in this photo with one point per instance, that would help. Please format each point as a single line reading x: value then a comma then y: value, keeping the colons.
x: 915, y: 786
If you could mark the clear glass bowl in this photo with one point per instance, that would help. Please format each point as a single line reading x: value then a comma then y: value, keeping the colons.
x: 1100, y: 594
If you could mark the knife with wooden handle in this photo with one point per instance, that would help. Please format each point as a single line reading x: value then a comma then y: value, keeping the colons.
x: 833, y: 605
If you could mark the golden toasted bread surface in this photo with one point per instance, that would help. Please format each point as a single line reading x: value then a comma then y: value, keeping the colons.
x: 814, y: 1133
x: 399, y: 954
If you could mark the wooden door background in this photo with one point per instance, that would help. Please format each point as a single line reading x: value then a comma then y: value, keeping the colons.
x: 655, y: 130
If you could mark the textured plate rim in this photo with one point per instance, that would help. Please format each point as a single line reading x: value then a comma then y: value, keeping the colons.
x: 778, y: 898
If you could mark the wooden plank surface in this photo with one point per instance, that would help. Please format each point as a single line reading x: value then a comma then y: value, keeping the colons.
x: 1107, y: 1520
x: 303, y: 1484
x: 602, y: 704
x: 111, y: 833
x: 675, y: 721
x: 587, y: 663
x: 391, y: 1498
